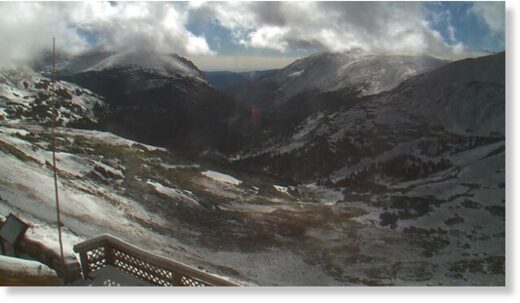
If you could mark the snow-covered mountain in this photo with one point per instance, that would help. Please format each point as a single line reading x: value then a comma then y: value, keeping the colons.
x: 325, y: 72
x: 160, y: 63
x: 157, y: 98
x: 167, y: 64
x: 464, y: 99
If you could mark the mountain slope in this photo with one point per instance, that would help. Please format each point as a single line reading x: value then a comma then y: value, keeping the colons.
x: 425, y: 160
x: 467, y: 96
x: 325, y: 72
x: 160, y: 99
x: 96, y: 60
x: 457, y: 103
x: 27, y: 96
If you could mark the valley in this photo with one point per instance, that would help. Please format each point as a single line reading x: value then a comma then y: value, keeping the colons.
x: 392, y: 173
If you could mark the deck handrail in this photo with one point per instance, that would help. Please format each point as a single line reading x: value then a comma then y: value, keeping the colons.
x: 104, y: 250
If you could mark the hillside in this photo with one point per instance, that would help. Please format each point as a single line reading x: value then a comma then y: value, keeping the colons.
x: 327, y: 72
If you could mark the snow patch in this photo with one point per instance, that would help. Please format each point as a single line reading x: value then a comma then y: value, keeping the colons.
x: 296, y: 74
x: 220, y: 177
x: 282, y: 189
x: 172, y: 192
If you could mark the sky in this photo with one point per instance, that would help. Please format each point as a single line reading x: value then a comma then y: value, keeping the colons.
x: 239, y: 36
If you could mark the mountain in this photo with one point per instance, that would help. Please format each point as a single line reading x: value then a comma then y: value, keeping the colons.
x: 458, y: 104
x: 165, y: 64
x: 326, y: 72
x: 156, y: 98
x: 97, y: 60
x: 466, y: 97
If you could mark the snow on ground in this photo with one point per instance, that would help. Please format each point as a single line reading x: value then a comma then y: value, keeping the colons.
x: 282, y: 189
x: 309, y: 125
x: 220, y: 177
x: 296, y: 271
x: 344, y: 245
x: 172, y: 192
x: 110, y: 169
x: 325, y: 195
x: 13, y: 131
x: 87, y: 209
x: 106, y: 137
x: 24, y: 90
x: 163, y: 64
x: 296, y: 74
x: 179, y: 166
x: 70, y: 163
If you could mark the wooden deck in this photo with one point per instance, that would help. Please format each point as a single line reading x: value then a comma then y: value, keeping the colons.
x: 106, y: 258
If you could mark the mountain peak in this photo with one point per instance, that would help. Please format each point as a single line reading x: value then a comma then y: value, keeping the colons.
x: 165, y: 63
x: 368, y: 74
x: 156, y: 62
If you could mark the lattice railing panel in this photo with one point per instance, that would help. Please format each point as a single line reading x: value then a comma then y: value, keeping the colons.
x: 106, y: 250
x: 187, y: 281
x: 136, y: 267
x: 96, y: 258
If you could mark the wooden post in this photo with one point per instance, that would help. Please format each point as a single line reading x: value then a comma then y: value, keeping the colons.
x: 84, y: 264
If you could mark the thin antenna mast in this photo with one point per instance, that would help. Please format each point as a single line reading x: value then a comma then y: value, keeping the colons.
x: 53, y: 146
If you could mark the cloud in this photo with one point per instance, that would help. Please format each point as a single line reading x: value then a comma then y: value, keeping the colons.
x: 493, y: 15
x: 255, y: 28
x: 241, y: 63
x: 336, y: 26
x: 26, y: 28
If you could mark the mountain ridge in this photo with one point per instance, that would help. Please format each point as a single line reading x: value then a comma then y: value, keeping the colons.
x: 325, y: 72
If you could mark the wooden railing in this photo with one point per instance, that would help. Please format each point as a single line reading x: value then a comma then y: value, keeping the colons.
x: 104, y: 250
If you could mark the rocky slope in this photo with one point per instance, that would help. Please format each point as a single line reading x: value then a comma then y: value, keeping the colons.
x: 327, y: 72
x: 27, y: 96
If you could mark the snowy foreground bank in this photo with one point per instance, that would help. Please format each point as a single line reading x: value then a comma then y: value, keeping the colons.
x: 250, y: 228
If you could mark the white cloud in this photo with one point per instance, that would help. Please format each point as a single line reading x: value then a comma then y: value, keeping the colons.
x: 241, y: 63
x: 492, y: 13
x: 27, y: 28
x: 336, y: 26
x: 268, y: 37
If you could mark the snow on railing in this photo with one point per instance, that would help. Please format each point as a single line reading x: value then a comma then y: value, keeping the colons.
x: 107, y: 250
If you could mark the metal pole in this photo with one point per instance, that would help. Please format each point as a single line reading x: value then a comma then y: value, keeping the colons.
x: 53, y: 146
